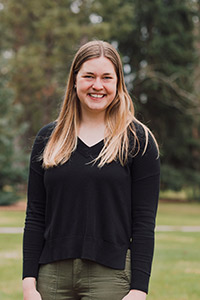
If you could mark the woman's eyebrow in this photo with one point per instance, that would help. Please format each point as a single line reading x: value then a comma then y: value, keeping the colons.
x: 92, y: 73
x: 88, y: 72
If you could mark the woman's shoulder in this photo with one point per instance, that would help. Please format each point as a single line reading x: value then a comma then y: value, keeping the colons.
x: 46, y: 130
x: 42, y: 136
x: 143, y: 139
x: 138, y: 131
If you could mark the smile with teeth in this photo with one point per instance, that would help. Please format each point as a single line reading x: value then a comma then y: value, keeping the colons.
x: 98, y: 96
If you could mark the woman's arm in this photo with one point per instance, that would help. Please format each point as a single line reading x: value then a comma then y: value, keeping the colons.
x: 145, y: 191
x: 33, y: 239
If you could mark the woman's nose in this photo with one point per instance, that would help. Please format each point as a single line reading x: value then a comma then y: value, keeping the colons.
x: 97, y: 85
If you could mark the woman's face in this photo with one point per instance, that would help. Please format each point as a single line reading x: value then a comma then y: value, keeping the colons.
x: 96, y: 84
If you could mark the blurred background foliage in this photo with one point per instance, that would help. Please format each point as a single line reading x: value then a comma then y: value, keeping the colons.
x: 159, y: 44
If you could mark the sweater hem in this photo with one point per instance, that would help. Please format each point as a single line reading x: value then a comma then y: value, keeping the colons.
x: 105, y: 253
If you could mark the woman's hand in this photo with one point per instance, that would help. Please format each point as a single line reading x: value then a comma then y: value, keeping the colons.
x: 32, y: 295
x: 135, y: 295
x: 29, y: 289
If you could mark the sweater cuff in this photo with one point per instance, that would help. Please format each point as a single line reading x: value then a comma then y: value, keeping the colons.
x: 30, y: 269
x: 139, y: 281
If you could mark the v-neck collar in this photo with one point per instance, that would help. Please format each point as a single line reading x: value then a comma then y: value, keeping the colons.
x: 86, y: 150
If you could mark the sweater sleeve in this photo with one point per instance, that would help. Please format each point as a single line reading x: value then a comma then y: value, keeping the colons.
x: 145, y: 191
x: 33, y: 238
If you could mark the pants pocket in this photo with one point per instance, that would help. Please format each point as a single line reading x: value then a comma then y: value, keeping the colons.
x: 47, y: 281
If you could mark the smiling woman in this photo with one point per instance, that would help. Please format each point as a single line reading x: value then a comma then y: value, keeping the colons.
x: 93, y: 191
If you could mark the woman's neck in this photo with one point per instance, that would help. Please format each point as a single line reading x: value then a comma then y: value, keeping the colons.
x: 92, y: 128
x: 92, y: 119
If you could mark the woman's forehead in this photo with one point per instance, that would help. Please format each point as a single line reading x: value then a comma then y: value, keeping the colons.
x: 100, y: 64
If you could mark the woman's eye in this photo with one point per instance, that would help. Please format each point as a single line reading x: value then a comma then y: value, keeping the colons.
x: 88, y: 76
x: 107, y: 77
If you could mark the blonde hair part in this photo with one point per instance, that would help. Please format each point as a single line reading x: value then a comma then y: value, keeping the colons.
x: 119, y: 117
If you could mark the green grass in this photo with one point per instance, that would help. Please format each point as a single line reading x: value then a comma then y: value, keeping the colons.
x: 12, y: 218
x: 10, y: 266
x: 186, y: 194
x: 176, y: 265
x: 169, y: 194
x: 179, y: 214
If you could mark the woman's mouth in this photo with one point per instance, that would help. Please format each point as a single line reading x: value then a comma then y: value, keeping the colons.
x: 97, y: 96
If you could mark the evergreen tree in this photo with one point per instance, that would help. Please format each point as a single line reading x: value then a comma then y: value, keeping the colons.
x: 12, y: 157
x: 161, y: 52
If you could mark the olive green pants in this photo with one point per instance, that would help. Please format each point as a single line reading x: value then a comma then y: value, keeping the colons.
x: 83, y: 279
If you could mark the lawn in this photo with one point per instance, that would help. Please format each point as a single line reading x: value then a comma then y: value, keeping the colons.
x: 12, y: 218
x: 176, y: 265
x: 10, y: 267
x: 178, y: 214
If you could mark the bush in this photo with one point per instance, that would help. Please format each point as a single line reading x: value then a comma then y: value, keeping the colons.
x: 177, y: 180
x: 171, y: 178
x: 7, y: 198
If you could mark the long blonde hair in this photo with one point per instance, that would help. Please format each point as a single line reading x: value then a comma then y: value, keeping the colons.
x: 119, y: 117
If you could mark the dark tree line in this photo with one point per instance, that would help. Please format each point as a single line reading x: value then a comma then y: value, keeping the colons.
x: 159, y: 46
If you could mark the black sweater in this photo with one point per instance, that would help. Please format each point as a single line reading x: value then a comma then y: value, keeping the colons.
x: 78, y: 210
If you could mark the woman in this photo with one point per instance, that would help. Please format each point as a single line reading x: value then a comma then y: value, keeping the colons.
x: 93, y: 191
